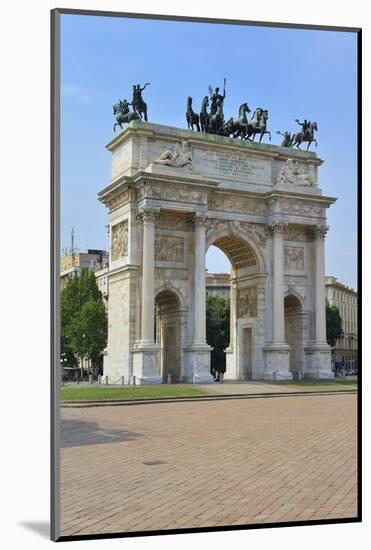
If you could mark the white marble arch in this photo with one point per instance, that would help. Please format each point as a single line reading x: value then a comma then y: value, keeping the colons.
x: 213, y: 236
x: 176, y: 291
x: 242, y: 197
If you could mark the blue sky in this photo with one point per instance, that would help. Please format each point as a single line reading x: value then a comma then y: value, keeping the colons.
x: 292, y: 73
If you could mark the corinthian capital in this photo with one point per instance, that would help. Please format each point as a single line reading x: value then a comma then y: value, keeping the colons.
x: 148, y: 215
x: 317, y: 231
x: 276, y: 227
x: 199, y: 219
x: 320, y: 231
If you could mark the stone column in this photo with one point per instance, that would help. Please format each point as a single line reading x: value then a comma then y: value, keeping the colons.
x: 278, y: 281
x: 148, y: 276
x: 199, y: 333
x: 320, y: 301
x: 146, y: 366
x: 198, y: 352
x: 231, y: 351
x: 318, y: 353
x: 277, y: 353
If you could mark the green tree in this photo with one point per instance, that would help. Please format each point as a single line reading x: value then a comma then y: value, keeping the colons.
x: 333, y: 324
x: 83, y: 318
x: 217, y: 329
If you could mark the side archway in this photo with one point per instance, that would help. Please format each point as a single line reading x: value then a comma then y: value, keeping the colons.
x: 294, y: 332
x: 168, y: 333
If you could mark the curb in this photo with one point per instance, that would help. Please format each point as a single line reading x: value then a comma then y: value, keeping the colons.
x: 152, y: 400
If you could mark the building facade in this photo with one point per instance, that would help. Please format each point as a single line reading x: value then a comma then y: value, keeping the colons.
x: 262, y: 206
x: 218, y: 284
x: 346, y: 300
x: 96, y: 260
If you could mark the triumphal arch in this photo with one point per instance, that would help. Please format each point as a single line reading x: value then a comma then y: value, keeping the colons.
x: 173, y: 194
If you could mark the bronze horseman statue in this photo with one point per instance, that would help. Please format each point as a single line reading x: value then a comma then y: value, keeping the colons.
x: 122, y: 112
x: 139, y: 106
x: 307, y: 133
x: 212, y: 122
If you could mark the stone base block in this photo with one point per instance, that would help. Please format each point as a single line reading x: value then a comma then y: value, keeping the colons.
x: 198, y: 363
x: 277, y: 362
x: 231, y: 365
x: 146, y: 365
x: 318, y: 361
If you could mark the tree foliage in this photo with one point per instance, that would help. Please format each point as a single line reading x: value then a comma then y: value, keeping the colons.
x: 217, y: 329
x: 333, y: 324
x: 83, y: 318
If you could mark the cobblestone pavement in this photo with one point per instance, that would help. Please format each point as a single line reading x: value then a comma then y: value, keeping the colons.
x: 184, y: 465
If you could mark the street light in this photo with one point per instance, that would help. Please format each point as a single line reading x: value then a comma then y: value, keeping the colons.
x: 63, y: 360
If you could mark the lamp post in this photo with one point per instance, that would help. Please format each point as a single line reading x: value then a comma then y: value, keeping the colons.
x: 82, y: 358
x: 63, y: 361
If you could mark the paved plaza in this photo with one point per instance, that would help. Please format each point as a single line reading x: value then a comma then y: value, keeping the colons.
x: 203, y: 464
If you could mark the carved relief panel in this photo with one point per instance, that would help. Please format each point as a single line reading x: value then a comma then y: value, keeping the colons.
x: 246, y: 205
x: 173, y: 221
x: 295, y: 233
x: 247, y: 302
x: 119, y: 240
x: 119, y: 200
x: 169, y: 249
x: 294, y: 257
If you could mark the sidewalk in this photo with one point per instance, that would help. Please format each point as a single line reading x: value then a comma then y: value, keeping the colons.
x: 259, y: 387
x: 211, y: 392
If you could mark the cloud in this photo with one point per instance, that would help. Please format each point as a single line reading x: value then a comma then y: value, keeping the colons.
x: 78, y: 93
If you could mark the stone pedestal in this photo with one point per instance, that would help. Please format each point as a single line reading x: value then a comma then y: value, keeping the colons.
x: 198, y: 361
x: 277, y: 362
x: 231, y: 365
x: 318, y: 361
x: 146, y: 364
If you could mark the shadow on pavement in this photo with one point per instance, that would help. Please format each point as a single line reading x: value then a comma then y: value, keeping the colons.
x: 42, y: 528
x: 75, y: 433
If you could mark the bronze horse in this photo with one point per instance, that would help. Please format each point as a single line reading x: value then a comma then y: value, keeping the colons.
x: 192, y: 118
x: 122, y: 115
x: 308, y: 136
x: 139, y: 105
x: 204, y: 115
x: 258, y: 125
x: 238, y: 126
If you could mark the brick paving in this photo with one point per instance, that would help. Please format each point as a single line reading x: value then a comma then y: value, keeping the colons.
x: 208, y: 464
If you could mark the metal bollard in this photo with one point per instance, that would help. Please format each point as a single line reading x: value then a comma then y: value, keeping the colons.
x: 99, y: 379
x: 106, y: 380
x: 123, y: 380
x: 221, y: 377
x: 90, y: 378
x: 134, y: 381
x: 169, y: 378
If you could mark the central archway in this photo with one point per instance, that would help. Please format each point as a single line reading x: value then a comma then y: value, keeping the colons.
x: 244, y: 359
